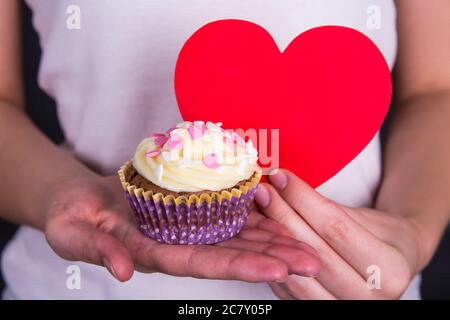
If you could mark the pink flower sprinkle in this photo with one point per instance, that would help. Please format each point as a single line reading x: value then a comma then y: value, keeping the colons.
x: 175, y: 142
x: 197, y: 131
x: 152, y: 154
x: 210, y: 161
x: 160, y: 140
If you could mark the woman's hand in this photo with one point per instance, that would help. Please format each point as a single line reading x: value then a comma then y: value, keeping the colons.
x: 88, y: 219
x: 352, y: 243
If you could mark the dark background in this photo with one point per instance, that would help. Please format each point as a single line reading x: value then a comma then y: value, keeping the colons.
x: 41, y: 109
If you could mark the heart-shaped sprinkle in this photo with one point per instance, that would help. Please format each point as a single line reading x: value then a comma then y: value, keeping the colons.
x: 210, y: 160
x: 152, y: 154
x: 160, y: 140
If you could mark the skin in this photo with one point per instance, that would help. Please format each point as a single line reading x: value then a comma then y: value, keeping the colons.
x: 411, y: 211
x: 85, y: 217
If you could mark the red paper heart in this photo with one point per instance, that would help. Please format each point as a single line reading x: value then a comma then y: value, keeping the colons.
x: 327, y: 93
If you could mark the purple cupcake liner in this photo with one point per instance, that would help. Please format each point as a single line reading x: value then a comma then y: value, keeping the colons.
x: 208, y: 218
x: 201, y: 222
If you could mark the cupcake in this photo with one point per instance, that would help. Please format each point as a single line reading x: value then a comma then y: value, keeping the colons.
x: 193, y: 184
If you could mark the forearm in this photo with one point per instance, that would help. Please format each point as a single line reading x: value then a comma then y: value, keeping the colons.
x: 416, y: 181
x: 30, y: 166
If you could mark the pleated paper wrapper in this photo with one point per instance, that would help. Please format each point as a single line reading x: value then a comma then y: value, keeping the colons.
x: 208, y: 218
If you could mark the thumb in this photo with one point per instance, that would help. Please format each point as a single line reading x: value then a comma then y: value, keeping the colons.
x: 81, y: 241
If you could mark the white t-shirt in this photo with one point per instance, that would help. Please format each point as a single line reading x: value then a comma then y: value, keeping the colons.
x: 112, y: 80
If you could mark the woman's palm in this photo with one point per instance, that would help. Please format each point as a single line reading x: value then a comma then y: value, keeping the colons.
x: 90, y: 220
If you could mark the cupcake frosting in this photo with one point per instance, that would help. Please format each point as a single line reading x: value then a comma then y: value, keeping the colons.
x: 195, y: 156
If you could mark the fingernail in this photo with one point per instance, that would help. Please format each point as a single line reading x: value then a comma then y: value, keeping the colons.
x: 278, y: 179
x: 110, y: 268
x: 280, y: 280
x: 311, y: 273
x: 262, y: 196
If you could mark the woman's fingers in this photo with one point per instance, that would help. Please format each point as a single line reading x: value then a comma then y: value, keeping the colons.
x: 235, y: 259
x: 82, y: 241
x: 264, y: 230
x: 350, y: 240
x: 335, y: 273
x: 298, y: 261
x: 302, y: 288
x: 79, y: 240
x: 213, y: 262
x: 203, y: 261
x: 266, y: 235
x: 256, y: 220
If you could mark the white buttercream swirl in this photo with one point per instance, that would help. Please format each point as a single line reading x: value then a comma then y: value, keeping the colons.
x: 196, y: 156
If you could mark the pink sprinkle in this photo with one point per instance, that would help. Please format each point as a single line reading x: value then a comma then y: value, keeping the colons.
x: 160, y: 140
x: 210, y: 161
x: 170, y: 130
x: 197, y: 131
x: 156, y: 135
x: 175, y: 142
x: 153, y: 153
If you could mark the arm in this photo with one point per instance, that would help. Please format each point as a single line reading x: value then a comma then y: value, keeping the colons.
x: 26, y: 156
x: 85, y: 216
x: 29, y: 163
x: 417, y: 155
x: 400, y: 235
